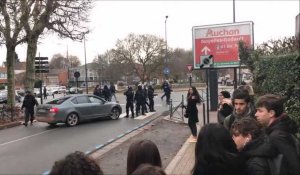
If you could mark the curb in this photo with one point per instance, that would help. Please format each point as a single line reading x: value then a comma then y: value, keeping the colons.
x: 171, y: 166
x: 10, y: 125
x: 109, y: 145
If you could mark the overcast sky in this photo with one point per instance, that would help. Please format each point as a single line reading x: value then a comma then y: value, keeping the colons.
x: 113, y: 20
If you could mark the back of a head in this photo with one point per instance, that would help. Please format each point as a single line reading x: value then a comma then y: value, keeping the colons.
x: 225, y: 94
x: 140, y: 152
x: 214, y: 138
x: 271, y: 102
x: 147, y: 169
x: 76, y: 163
x: 214, y: 148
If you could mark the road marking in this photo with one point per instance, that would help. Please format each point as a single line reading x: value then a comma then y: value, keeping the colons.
x: 158, y: 105
x: 142, y: 117
x: 27, y: 137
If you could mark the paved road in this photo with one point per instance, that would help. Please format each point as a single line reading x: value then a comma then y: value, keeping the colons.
x: 33, y: 149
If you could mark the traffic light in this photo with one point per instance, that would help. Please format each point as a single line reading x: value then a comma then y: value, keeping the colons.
x: 206, y: 61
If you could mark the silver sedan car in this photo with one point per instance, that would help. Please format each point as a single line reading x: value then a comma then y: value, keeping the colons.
x: 72, y: 109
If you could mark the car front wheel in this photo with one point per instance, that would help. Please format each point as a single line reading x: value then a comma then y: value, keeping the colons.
x: 115, y: 113
x: 72, y: 119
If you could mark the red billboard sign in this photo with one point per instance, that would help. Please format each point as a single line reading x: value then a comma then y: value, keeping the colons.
x: 221, y: 41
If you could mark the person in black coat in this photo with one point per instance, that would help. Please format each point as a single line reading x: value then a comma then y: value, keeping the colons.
x: 191, y: 112
x: 280, y: 129
x: 28, y: 103
x: 225, y: 106
x: 140, y: 99
x: 45, y: 92
x: 216, y: 153
x: 106, y: 93
x: 255, y: 148
x: 129, y: 101
x: 97, y: 91
x: 150, y: 97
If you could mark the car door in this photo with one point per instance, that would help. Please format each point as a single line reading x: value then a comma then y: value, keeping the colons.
x: 99, y: 108
x: 83, y: 106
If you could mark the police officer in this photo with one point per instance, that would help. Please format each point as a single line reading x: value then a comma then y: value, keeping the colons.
x: 150, y: 97
x: 146, y: 99
x: 28, y: 103
x: 140, y: 99
x: 129, y: 101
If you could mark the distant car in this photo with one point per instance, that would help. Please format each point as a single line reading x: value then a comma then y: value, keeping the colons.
x: 75, y: 90
x: 72, y: 109
x: 3, y: 97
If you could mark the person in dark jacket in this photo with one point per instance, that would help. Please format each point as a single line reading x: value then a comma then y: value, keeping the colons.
x: 151, y: 97
x: 97, y: 91
x: 216, y: 153
x: 129, y: 101
x: 139, y: 98
x: 242, y: 107
x: 255, y: 148
x: 280, y: 128
x: 112, y: 90
x: 145, y: 90
x: 193, y: 98
x: 106, y: 93
x: 45, y: 92
x: 28, y: 103
x: 225, y: 106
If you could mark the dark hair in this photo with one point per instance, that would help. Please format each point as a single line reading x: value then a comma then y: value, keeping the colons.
x: 241, y: 94
x: 245, y: 126
x: 195, y: 93
x: 214, y: 148
x: 143, y: 151
x: 225, y: 94
x: 147, y: 169
x: 271, y: 102
x: 76, y: 163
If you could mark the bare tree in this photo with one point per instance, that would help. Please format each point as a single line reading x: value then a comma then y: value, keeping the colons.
x: 143, y: 53
x: 11, y: 35
x: 101, y: 66
x: 65, y: 18
x: 58, y: 61
x: 27, y: 20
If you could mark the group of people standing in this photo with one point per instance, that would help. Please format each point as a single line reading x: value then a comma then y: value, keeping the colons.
x: 249, y: 139
x: 106, y: 92
x: 140, y: 98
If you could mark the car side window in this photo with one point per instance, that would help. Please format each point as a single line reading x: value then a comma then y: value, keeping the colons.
x: 74, y: 100
x: 82, y: 99
x: 95, y: 100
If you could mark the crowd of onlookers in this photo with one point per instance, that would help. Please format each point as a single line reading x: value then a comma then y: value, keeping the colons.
x: 249, y: 139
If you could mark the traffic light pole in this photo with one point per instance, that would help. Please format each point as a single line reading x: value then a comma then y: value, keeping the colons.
x: 207, y: 95
x: 41, y: 77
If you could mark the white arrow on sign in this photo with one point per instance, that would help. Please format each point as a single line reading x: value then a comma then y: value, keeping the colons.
x: 205, y: 50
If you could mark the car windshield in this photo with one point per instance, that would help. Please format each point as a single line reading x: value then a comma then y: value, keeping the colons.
x: 58, y: 101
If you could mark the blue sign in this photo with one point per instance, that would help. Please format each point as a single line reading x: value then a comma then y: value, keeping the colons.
x: 166, y: 71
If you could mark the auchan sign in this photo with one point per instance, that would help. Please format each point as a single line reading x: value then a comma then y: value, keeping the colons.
x: 221, y: 41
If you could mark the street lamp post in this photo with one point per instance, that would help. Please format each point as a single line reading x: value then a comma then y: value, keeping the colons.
x: 86, y: 82
x: 166, y: 56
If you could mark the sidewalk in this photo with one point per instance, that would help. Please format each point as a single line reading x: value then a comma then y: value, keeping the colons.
x: 183, y: 162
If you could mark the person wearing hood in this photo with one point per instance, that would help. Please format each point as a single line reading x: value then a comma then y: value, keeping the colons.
x: 255, y: 148
x: 280, y: 128
x: 242, y: 107
x: 225, y: 106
